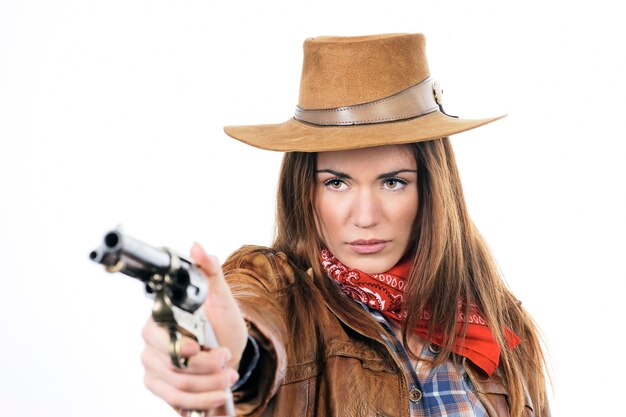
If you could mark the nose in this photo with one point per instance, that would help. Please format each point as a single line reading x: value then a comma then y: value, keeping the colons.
x: 366, y: 210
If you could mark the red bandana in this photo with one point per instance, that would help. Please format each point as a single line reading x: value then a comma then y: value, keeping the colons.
x: 385, y: 293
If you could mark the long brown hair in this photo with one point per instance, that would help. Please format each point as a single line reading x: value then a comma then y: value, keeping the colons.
x: 451, y: 264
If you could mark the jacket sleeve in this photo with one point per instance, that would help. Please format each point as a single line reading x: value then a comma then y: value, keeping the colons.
x: 256, y: 277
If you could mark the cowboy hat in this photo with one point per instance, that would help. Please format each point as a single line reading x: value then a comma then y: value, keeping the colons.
x: 358, y: 92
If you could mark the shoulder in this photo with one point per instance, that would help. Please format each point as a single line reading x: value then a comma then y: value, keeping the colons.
x: 270, y: 268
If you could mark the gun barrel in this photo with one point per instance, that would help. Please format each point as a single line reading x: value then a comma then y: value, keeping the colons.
x: 137, y: 250
x: 185, y: 285
x: 117, y: 245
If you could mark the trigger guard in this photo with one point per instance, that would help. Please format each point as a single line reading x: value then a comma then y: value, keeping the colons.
x: 175, y: 357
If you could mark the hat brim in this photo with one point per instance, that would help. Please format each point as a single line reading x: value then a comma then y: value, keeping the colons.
x: 294, y: 135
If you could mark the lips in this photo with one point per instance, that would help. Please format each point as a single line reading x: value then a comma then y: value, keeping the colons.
x: 368, y: 246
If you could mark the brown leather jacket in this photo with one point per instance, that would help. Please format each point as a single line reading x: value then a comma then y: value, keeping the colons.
x: 345, y: 372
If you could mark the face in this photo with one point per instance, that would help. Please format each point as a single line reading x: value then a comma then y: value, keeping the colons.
x: 365, y: 205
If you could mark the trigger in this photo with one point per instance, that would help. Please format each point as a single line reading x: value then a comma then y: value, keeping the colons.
x: 177, y: 360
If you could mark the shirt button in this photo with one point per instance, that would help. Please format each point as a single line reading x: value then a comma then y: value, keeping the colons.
x: 434, y: 348
x: 415, y: 395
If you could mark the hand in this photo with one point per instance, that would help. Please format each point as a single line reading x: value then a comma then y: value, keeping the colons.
x: 201, y: 386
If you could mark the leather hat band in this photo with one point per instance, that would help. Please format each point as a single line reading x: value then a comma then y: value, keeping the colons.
x: 418, y: 100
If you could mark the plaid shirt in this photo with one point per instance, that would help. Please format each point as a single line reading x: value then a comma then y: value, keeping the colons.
x: 443, y: 391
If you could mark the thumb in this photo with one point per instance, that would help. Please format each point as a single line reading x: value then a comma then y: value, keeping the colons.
x: 208, y: 264
x: 220, y: 306
x: 219, y: 296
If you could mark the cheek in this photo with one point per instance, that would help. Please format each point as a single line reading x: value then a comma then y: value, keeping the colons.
x: 328, y: 218
x: 405, y: 215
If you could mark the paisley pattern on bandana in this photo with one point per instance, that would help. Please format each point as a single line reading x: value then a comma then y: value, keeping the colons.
x: 385, y: 293
x: 381, y: 292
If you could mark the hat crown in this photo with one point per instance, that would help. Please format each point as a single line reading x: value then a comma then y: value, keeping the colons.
x: 345, y: 71
x: 359, y: 92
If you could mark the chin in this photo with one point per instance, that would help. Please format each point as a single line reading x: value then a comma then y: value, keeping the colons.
x: 371, y: 266
x: 375, y: 270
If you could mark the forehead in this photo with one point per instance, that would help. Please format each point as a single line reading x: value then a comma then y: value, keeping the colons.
x: 389, y: 156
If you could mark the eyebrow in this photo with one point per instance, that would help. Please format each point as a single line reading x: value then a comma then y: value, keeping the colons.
x: 381, y: 176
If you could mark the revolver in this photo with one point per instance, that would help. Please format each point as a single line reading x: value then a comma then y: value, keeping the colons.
x: 178, y: 289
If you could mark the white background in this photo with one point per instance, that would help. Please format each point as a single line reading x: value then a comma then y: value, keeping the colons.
x: 112, y: 112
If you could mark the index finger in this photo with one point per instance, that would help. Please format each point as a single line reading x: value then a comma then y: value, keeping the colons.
x: 158, y: 338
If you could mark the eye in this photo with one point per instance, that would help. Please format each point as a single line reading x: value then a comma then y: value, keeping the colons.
x: 335, y: 184
x: 394, y: 184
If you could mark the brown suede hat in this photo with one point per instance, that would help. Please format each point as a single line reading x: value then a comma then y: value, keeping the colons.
x: 359, y: 92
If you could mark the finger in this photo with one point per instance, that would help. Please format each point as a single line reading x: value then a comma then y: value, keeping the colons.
x: 186, y: 400
x: 212, y: 269
x: 220, y: 306
x: 192, y: 383
x: 201, y: 363
x: 209, y: 361
x: 209, y: 264
x: 155, y: 368
x: 158, y: 338
x: 204, y: 362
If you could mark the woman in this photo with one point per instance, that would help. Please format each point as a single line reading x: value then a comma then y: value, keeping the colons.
x: 378, y: 296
